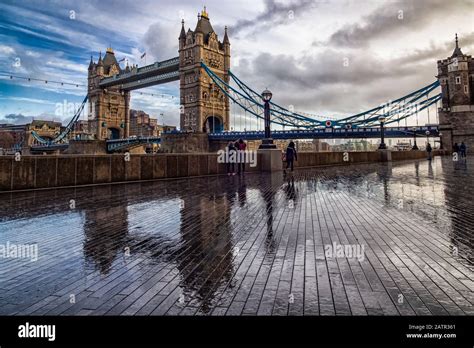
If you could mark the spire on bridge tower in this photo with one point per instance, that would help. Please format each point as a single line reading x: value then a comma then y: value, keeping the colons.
x: 204, y: 13
x: 99, y: 63
x: 182, y: 35
x: 457, y: 51
x: 226, y: 38
x: 91, y: 64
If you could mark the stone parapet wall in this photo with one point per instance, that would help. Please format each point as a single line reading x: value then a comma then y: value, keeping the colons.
x: 38, y: 172
x: 35, y: 172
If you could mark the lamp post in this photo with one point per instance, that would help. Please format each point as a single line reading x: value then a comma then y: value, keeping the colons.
x: 440, y: 141
x: 415, y: 147
x: 267, y: 142
x: 382, y: 145
x: 427, y: 137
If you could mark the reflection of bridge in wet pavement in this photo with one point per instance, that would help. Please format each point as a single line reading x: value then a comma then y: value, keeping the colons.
x: 225, y: 245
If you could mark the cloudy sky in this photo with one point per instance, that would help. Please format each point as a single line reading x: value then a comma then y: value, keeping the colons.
x: 326, y: 57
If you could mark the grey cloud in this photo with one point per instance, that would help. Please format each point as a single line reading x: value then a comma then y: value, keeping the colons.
x: 385, y: 20
x: 437, y: 52
x: 321, y: 83
x: 322, y: 69
x: 18, y: 119
x: 160, y: 41
x: 274, y: 13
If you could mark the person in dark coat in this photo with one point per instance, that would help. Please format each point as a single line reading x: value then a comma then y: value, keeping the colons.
x: 242, y: 148
x: 428, y: 150
x: 291, y: 155
x: 456, y: 148
x: 462, y: 149
x: 232, y: 151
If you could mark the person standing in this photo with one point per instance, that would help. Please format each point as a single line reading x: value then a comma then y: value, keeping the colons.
x: 241, y: 157
x: 428, y: 150
x: 232, y: 155
x: 462, y: 149
x: 456, y: 148
x: 291, y: 155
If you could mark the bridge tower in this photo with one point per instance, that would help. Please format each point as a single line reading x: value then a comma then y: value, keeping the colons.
x: 204, y: 107
x: 456, y: 114
x: 109, y: 108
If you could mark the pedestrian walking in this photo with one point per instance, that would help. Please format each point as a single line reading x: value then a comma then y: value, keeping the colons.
x: 290, y: 155
x: 428, y: 150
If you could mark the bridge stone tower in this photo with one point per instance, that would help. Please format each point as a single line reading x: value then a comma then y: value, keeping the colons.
x: 456, y: 115
x: 109, y: 108
x: 204, y: 107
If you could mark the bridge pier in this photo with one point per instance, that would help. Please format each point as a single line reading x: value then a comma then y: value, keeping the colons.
x: 385, y: 155
x: 87, y: 147
x: 185, y: 143
x: 271, y: 160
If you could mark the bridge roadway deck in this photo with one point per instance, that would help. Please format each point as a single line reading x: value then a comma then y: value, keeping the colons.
x: 248, y: 246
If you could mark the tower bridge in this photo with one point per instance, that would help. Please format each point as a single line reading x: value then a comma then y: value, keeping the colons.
x: 208, y: 89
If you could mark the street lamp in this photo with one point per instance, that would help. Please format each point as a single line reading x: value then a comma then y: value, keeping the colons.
x: 440, y: 141
x: 267, y: 142
x: 382, y: 145
x: 427, y: 136
x: 414, y: 139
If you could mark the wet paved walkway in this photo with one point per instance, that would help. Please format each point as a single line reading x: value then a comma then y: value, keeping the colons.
x: 252, y: 246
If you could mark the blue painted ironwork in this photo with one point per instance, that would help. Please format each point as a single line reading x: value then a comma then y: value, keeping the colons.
x: 328, y: 133
x: 48, y: 147
x: 149, y: 75
x: 128, y: 143
x: 393, y: 111
x: 62, y: 136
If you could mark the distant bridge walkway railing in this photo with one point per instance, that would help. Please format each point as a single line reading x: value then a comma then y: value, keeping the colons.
x: 329, y: 133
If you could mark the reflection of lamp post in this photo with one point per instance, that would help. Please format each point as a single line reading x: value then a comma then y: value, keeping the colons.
x: 414, y: 139
x: 382, y: 145
x: 267, y: 142
x: 163, y: 122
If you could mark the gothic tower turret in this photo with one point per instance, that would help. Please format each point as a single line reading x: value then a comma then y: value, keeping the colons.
x: 456, y: 115
x: 204, y: 107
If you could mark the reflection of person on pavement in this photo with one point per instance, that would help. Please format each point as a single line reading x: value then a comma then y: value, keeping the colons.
x: 430, y: 170
x: 290, y: 188
x: 242, y: 192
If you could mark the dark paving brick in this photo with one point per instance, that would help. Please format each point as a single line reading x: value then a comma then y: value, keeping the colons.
x: 254, y: 245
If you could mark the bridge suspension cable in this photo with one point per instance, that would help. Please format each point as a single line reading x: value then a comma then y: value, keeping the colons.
x: 66, y: 131
x: 393, y: 111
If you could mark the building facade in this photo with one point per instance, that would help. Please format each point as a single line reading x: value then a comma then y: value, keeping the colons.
x: 141, y: 124
x: 456, y: 114
x: 108, y: 107
x: 204, y: 107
